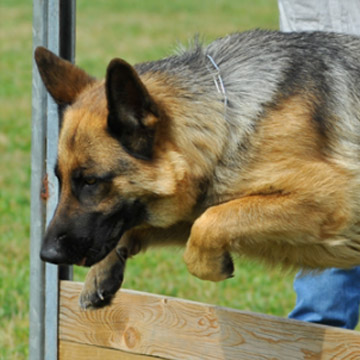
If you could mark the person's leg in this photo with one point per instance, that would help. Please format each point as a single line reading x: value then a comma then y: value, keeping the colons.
x: 331, y: 297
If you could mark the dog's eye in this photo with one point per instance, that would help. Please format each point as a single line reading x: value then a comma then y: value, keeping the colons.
x: 90, y: 181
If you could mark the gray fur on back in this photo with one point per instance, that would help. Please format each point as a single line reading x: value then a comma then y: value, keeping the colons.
x: 258, y: 68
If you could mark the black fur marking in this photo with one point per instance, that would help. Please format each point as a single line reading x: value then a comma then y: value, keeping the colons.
x: 227, y: 265
x: 58, y: 174
x: 307, y: 72
x: 129, y: 103
x: 109, y: 228
x: 137, y: 142
x: 89, y: 235
x: 122, y: 253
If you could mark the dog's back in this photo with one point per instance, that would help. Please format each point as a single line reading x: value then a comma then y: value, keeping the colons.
x: 260, y: 71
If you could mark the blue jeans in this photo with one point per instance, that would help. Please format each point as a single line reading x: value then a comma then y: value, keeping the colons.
x: 330, y: 298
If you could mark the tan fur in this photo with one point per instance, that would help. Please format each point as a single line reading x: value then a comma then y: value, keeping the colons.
x: 279, y: 189
x: 295, y: 204
x: 292, y: 204
x: 289, y: 194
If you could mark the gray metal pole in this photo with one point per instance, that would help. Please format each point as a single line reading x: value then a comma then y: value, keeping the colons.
x: 37, y: 217
x: 52, y: 134
x: 53, y: 27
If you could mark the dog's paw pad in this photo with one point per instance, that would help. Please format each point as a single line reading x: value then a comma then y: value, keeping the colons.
x: 227, y: 266
x: 94, y: 301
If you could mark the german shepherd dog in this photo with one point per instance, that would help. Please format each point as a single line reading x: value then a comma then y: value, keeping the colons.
x: 250, y: 145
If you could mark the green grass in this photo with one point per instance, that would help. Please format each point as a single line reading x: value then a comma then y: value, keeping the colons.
x: 15, y: 127
x: 136, y: 30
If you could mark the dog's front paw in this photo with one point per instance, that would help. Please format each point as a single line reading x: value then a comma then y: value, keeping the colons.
x: 104, y: 280
x: 209, y: 265
x: 206, y: 254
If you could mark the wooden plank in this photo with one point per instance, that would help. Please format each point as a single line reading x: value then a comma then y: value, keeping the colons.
x: 69, y: 350
x: 141, y: 323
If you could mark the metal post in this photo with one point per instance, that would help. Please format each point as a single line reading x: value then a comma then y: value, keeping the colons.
x: 53, y: 27
x: 37, y: 275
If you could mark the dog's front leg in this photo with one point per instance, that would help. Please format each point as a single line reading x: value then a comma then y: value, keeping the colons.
x: 105, y: 278
x: 276, y: 228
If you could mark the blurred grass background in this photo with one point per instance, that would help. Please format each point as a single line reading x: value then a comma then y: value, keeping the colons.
x: 136, y: 30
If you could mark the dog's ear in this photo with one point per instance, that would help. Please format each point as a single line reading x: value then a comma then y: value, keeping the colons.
x: 63, y: 80
x: 133, y: 115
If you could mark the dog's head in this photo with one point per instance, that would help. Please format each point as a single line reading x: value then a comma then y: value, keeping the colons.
x: 107, y: 166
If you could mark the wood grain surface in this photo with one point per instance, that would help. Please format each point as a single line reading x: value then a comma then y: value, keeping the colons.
x: 70, y: 350
x: 143, y: 325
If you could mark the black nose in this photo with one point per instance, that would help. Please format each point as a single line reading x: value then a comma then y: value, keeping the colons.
x: 52, y: 252
x: 51, y: 255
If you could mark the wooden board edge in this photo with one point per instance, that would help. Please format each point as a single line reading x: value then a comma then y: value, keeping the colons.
x: 171, y: 328
x: 69, y: 350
